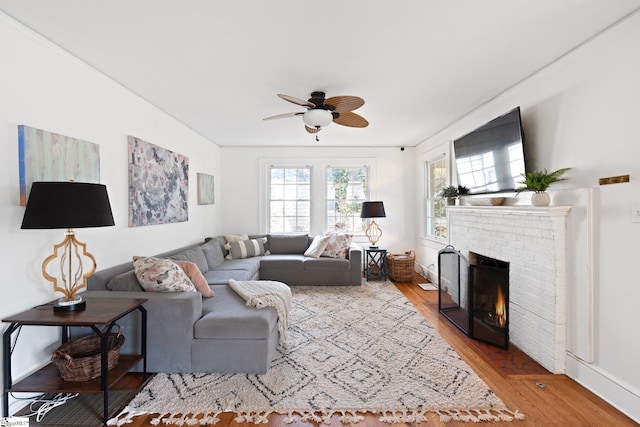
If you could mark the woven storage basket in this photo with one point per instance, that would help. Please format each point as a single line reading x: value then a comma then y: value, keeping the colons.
x: 79, y: 359
x: 401, y: 266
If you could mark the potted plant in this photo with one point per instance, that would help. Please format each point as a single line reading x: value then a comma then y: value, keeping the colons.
x: 450, y: 193
x: 538, y: 182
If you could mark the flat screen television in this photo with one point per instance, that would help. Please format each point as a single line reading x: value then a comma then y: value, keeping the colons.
x: 491, y: 158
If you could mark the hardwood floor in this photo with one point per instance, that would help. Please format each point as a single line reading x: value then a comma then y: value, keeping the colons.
x: 562, y: 402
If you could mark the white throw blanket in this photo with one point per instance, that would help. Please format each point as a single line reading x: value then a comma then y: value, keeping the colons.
x: 266, y: 293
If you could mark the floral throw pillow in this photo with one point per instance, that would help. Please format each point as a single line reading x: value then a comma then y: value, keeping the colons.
x: 338, y: 245
x: 161, y: 275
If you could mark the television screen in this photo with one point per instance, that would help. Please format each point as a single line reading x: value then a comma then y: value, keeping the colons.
x: 491, y: 159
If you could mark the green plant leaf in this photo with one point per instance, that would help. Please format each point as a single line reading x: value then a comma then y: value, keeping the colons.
x: 539, y: 181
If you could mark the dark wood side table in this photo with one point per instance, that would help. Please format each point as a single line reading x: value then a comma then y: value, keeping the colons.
x: 99, y: 312
x: 375, y: 265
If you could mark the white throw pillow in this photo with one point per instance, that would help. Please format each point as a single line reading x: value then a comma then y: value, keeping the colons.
x: 317, y: 246
x: 236, y: 237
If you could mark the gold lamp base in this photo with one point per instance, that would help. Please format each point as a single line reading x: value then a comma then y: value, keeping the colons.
x: 373, y: 233
x: 71, y: 272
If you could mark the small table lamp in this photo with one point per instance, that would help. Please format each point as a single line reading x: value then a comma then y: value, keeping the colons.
x: 68, y: 205
x: 373, y: 210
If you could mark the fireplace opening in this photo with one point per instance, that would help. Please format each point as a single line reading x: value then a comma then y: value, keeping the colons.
x: 475, y: 298
x: 489, y: 304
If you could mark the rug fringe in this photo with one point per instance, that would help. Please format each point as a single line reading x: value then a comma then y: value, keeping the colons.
x: 404, y: 416
x: 346, y: 417
x: 253, y: 417
x: 476, y: 416
x: 127, y: 413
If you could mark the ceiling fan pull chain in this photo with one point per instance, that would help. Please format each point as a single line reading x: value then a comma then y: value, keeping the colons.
x: 317, y: 139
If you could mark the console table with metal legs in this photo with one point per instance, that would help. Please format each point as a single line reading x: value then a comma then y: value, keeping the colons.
x: 103, y: 312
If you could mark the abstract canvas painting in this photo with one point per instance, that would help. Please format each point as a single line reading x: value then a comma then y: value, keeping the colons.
x: 158, y: 184
x: 47, y: 156
x: 206, y: 194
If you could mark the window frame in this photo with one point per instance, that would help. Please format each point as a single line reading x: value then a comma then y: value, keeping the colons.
x: 441, y: 153
x: 284, y: 200
x: 366, y: 191
x: 318, y: 166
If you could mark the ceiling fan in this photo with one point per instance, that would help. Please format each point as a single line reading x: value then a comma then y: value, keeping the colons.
x: 321, y: 112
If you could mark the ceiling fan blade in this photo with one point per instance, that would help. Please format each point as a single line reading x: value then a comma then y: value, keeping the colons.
x: 282, y: 116
x: 345, y: 103
x: 297, y: 101
x: 311, y: 130
x: 352, y: 120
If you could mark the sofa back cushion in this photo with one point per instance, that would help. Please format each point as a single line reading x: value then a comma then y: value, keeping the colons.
x: 288, y: 243
x: 126, y: 281
x: 194, y: 255
x: 212, y: 251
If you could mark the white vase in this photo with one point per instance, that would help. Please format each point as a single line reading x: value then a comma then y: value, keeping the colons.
x: 540, y: 199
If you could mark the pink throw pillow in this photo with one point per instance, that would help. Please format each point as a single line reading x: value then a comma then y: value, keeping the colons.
x: 194, y: 274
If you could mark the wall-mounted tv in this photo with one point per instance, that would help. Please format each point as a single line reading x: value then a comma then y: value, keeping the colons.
x: 491, y: 158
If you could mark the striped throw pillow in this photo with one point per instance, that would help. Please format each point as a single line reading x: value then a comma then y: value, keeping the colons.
x: 245, y: 249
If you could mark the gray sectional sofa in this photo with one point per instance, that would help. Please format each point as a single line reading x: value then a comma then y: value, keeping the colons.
x: 189, y: 333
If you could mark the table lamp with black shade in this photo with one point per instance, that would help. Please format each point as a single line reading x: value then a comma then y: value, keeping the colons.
x: 68, y: 205
x: 373, y: 210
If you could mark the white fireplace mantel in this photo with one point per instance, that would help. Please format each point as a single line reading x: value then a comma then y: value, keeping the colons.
x: 534, y: 242
x: 515, y: 209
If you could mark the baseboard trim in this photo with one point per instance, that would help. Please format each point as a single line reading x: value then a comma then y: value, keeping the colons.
x: 624, y: 398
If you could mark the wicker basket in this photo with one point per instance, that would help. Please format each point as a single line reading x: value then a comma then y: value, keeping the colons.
x: 79, y: 359
x: 401, y: 266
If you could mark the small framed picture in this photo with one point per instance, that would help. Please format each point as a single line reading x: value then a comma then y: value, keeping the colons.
x: 206, y: 190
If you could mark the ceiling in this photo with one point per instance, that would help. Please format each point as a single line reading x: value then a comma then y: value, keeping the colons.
x: 217, y: 66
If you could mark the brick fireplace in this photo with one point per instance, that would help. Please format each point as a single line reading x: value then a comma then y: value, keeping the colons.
x: 534, y: 243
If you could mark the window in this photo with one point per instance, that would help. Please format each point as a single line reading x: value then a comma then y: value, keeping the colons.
x: 346, y: 190
x: 436, y: 180
x: 290, y: 200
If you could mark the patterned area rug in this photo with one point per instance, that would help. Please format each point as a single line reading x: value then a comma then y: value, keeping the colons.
x: 351, y: 350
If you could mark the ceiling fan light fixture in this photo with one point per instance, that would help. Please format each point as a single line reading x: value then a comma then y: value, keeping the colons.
x: 317, y: 118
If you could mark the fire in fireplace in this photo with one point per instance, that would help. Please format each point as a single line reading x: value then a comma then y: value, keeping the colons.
x: 475, y: 299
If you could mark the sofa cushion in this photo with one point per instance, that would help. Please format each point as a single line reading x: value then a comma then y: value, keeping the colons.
x: 194, y: 255
x: 245, y: 249
x: 288, y: 243
x: 196, y: 277
x: 338, y: 245
x: 221, y: 277
x: 126, y: 281
x: 282, y: 262
x: 326, y: 264
x: 161, y: 275
x: 228, y: 317
x: 250, y: 265
x: 214, y: 251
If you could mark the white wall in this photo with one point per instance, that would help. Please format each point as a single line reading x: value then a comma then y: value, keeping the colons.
x: 43, y: 87
x: 243, y: 169
x: 582, y: 112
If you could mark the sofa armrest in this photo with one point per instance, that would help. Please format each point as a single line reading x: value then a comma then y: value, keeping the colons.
x: 170, y: 320
x: 355, y: 267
